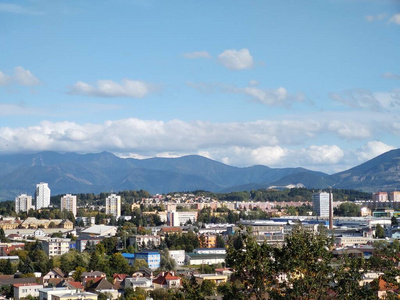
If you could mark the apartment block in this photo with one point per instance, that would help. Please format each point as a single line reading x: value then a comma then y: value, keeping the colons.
x: 113, y: 205
x: 56, y: 246
x: 68, y: 203
x: 23, y: 203
x: 42, y: 195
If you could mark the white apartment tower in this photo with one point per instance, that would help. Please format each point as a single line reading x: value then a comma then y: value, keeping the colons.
x: 68, y: 203
x: 321, y: 203
x: 42, y: 195
x: 113, y: 205
x: 23, y: 203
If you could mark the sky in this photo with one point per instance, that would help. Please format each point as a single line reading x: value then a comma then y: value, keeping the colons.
x: 313, y: 84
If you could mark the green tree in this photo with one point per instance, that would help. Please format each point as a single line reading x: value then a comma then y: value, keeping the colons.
x: 252, y: 263
x: 208, y: 288
x: 118, y: 263
x: 167, y: 263
x: 394, y: 221
x: 379, y: 232
x: 305, y: 259
x: 78, y: 273
x: 220, y: 243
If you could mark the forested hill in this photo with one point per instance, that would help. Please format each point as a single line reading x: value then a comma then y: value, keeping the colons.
x: 105, y: 172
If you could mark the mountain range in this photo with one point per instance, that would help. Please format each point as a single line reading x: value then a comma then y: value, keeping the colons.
x: 105, y: 172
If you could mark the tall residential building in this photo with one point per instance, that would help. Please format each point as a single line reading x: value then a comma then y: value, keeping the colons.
x: 321, y: 203
x: 23, y: 203
x: 380, y: 197
x: 68, y: 203
x: 42, y: 195
x: 394, y: 196
x: 113, y: 205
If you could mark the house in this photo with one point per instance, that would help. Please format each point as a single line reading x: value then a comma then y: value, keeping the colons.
x: 23, y: 290
x: 54, y: 277
x: 86, y: 277
x: 6, y: 248
x: 103, y: 286
x: 167, y: 280
x: 118, y: 280
x: 137, y: 281
x: 66, y: 224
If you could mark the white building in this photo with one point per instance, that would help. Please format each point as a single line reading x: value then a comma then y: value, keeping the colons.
x: 180, y: 218
x: 380, y: 197
x: 23, y: 290
x: 394, y: 196
x: 68, y: 203
x: 23, y: 203
x: 113, y: 205
x: 321, y: 203
x: 179, y: 256
x: 56, y: 246
x: 42, y: 195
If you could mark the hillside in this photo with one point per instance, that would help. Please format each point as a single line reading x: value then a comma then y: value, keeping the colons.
x: 104, y: 172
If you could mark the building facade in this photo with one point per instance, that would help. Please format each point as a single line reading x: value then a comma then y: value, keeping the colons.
x: 113, y: 205
x: 321, y: 203
x: 380, y: 197
x: 56, y: 246
x: 42, y: 195
x: 23, y: 203
x: 68, y: 203
x: 394, y: 196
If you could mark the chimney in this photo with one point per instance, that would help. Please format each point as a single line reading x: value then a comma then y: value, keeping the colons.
x: 330, y: 210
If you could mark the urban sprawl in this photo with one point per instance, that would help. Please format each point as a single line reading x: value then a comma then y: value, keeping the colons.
x: 195, y: 246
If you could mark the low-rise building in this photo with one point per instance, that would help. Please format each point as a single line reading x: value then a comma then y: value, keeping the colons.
x: 152, y: 257
x: 23, y: 290
x: 178, y: 256
x: 204, y: 259
x: 56, y: 246
x: 167, y: 280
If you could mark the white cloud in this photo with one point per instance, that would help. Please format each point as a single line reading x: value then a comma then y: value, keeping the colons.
x: 108, y: 88
x: 276, y: 143
x: 391, y: 76
x: 20, y: 77
x: 350, y: 129
x: 25, y: 77
x: 371, y: 150
x: 369, y: 100
x: 18, y: 9
x: 395, y: 19
x: 236, y: 59
x: 379, y: 17
x: 198, y: 54
x: 279, y: 96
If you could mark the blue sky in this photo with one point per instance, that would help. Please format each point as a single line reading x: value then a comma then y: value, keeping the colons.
x: 314, y: 84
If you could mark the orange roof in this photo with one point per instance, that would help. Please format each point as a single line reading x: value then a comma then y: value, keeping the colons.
x: 24, y: 284
x: 76, y: 284
x: 162, y: 279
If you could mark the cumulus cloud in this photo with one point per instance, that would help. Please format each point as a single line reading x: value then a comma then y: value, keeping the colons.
x: 108, y: 88
x: 371, y: 150
x: 19, y: 77
x: 391, y: 76
x: 369, y: 100
x: 379, y: 17
x: 198, y: 54
x: 236, y: 59
x: 395, y: 19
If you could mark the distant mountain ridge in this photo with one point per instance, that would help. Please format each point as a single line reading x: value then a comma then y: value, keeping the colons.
x: 102, y: 172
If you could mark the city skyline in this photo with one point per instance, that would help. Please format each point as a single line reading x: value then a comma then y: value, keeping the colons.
x: 262, y: 82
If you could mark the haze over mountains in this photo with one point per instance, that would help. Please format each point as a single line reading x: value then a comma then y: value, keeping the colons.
x: 104, y: 172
